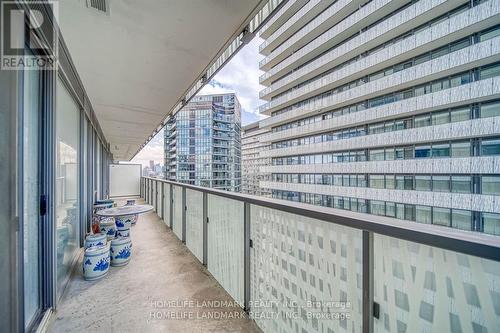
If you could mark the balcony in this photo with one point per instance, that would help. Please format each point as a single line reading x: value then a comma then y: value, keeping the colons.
x: 140, y: 296
x: 364, y: 273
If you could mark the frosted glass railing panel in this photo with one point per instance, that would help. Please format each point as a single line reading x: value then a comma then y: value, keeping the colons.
x: 225, y: 244
x: 194, y: 222
x: 148, y: 191
x: 295, y: 260
x: 166, y: 204
x: 177, y: 211
x: 160, y: 186
x: 426, y: 289
x: 154, y: 195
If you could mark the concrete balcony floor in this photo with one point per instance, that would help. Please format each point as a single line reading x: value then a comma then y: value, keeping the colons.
x: 133, y: 298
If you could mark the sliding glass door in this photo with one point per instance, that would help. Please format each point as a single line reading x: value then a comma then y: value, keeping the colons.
x: 67, y: 222
x: 31, y: 186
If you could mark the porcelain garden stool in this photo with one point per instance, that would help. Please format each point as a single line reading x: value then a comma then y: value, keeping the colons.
x: 96, y: 262
x: 121, y: 250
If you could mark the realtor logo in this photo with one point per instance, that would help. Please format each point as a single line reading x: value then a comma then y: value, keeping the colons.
x: 29, y: 39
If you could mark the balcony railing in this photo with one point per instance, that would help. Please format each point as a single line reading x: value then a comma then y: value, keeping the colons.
x: 291, y: 264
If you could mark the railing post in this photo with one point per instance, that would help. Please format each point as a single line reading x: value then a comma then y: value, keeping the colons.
x: 367, y: 281
x: 205, y: 229
x: 184, y: 211
x: 246, y: 258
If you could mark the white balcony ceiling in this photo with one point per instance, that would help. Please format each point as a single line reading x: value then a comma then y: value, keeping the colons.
x: 136, y: 62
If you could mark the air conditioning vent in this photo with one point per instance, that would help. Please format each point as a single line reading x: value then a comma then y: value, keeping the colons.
x: 100, y: 5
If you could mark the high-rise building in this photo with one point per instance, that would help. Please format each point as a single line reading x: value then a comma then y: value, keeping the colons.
x: 203, y: 143
x: 251, y: 161
x: 388, y: 108
x: 151, y: 164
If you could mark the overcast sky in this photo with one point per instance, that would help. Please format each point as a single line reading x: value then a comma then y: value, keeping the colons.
x: 240, y: 75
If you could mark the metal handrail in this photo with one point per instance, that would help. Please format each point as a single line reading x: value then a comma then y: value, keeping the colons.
x: 466, y: 242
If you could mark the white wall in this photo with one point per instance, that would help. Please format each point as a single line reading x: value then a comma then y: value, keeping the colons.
x: 124, y: 180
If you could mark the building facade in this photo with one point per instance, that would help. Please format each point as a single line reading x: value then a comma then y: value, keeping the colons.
x: 203, y: 143
x: 389, y: 108
x: 251, y: 161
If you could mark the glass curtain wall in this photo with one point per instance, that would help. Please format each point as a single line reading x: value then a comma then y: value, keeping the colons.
x: 67, y: 194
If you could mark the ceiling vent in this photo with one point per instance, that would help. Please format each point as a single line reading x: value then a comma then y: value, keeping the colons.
x: 99, y: 5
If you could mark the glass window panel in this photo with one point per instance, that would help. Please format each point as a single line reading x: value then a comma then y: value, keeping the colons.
x: 460, y: 114
x: 377, y: 155
x: 490, y: 110
x: 461, y: 149
x: 490, y: 185
x: 410, y: 212
x: 389, y: 154
x: 390, y: 209
x: 490, y: 71
x: 491, y: 223
x: 422, y: 151
x: 461, y: 219
x: 441, y: 216
x: 441, y: 150
x: 377, y: 207
x: 389, y: 182
x: 67, y: 183
x: 439, y: 118
x: 31, y: 193
x: 422, y: 120
x: 423, y: 214
x: 423, y: 183
x: 490, y: 147
x: 377, y: 181
x: 461, y: 184
x: 494, y: 32
x: 441, y: 183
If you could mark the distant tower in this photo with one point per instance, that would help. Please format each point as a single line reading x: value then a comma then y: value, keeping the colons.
x: 203, y: 143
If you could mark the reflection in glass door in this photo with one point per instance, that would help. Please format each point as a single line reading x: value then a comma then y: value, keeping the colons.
x: 31, y: 194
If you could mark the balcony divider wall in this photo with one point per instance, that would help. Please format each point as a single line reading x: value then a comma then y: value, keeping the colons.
x: 296, y: 266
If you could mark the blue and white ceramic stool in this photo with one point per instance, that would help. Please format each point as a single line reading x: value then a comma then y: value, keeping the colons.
x: 108, y: 227
x: 95, y: 240
x: 121, y: 251
x: 123, y: 233
x: 96, y: 262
